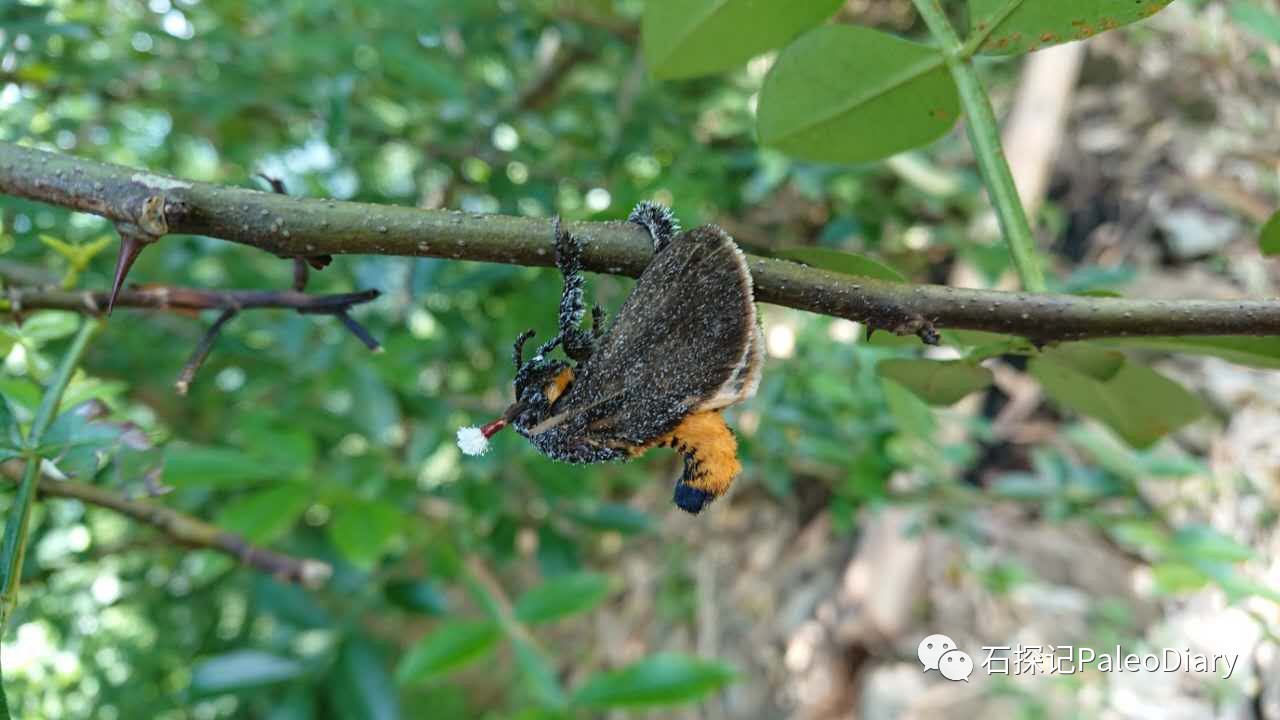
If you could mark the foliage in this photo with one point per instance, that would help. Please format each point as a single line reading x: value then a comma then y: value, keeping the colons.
x: 293, y: 436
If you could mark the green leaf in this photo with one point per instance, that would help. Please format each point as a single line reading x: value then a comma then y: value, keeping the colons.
x: 449, y: 647
x: 1023, y: 486
x: 9, y: 431
x: 1145, y: 535
x: 937, y: 382
x: 1201, y: 542
x: 1036, y: 24
x: 562, y: 596
x: 1095, y: 362
x: 266, y: 515
x: 364, y: 530
x: 418, y: 596
x: 687, y: 38
x: 841, y: 262
x: 299, y: 703
x: 1263, y: 352
x: 1235, y: 584
x: 1269, y: 237
x: 360, y: 686
x: 1174, y: 578
x: 614, y: 517
x: 197, y: 466
x: 664, y: 679
x: 49, y: 325
x: 242, y: 670
x: 538, y: 672
x: 1138, y: 403
x: 912, y: 415
x: 1250, y: 15
x: 843, y: 93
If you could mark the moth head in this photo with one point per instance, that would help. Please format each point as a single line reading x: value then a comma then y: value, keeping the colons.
x: 538, y: 384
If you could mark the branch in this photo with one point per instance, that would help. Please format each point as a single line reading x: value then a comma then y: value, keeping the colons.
x: 189, y: 531
x: 18, y: 300
x: 291, y: 227
x: 180, y: 299
x: 984, y: 136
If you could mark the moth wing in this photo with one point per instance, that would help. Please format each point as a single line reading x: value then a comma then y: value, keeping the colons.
x: 686, y: 339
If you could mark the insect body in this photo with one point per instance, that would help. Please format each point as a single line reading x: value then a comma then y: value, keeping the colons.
x: 685, y: 345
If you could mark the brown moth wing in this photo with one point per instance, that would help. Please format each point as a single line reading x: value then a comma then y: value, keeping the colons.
x: 686, y: 339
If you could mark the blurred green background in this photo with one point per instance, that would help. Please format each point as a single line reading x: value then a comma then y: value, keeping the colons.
x: 509, y: 586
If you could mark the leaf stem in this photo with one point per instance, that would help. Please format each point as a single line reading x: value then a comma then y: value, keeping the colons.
x: 984, y: 136
x: 14, y: 545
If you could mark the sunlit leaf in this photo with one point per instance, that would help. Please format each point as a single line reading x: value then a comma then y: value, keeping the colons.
x: 687, y: 38
x: 1036, y: 24
x: 844, y: 93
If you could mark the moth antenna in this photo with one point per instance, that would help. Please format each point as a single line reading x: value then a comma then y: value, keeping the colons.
x: 658, y: 220
x: 517, y: 350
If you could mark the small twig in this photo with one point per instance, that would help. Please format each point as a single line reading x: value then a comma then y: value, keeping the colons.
x: 188, y: 531
x: 230, y: 302
x: 201, y: 352
x: 358, y: 330
x: 182, y: 299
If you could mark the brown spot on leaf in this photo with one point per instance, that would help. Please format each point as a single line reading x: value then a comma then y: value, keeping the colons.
x: 1048, y: 37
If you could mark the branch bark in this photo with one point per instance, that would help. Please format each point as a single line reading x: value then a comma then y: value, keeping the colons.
x: 293, y: 227
x: 189, y: 531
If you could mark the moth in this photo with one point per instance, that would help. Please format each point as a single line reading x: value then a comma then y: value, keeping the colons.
x: 685, y: 345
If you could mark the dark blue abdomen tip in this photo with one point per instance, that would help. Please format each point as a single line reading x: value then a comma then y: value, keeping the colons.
x: 691, y: 499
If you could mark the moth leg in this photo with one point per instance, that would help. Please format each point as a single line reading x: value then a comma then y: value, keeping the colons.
x: 710, y: 459
x: 578, y: 344
x: 597, y: 322
x: 658, y: 220
x: 517, y: 350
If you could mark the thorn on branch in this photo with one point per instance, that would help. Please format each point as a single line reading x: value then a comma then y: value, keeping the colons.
x: 201, y: 352
x: 299, y: 274
x: 276, y: 184
x: 132, y: 243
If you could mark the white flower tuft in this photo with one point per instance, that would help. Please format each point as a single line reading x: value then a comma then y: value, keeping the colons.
x: 471, y: 441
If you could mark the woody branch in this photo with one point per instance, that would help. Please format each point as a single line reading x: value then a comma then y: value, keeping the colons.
x: 301, y: 227
x: 187, y: 530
